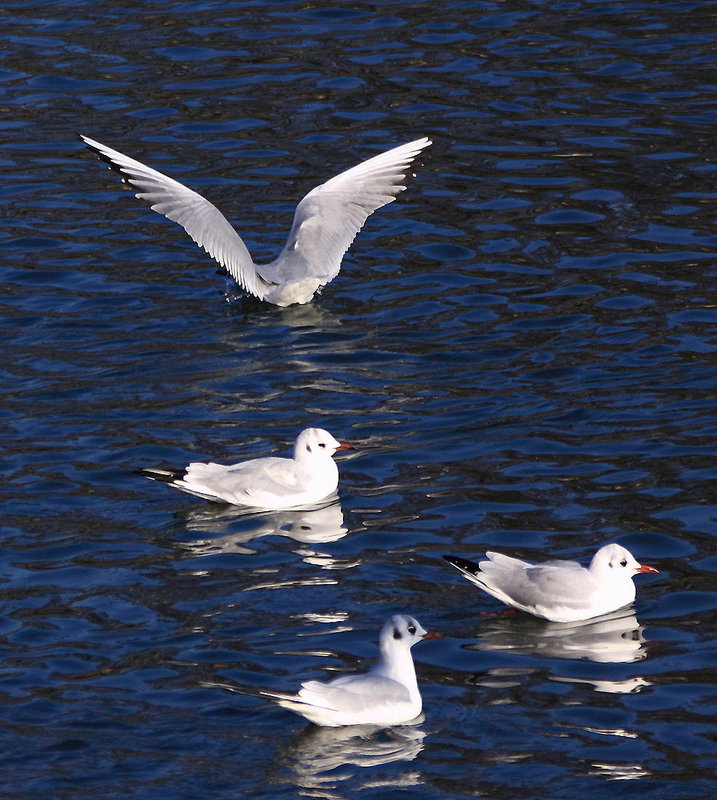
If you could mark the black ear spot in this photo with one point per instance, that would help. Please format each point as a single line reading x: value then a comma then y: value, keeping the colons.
x: 308, y: 448
x: 609, y: 563
x: 397, y: 634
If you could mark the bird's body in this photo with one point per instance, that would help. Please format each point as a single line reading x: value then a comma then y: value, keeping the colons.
x: 268, y: 483
x: 559, y: 591
x: 386, y: 695
x: 325, y: 223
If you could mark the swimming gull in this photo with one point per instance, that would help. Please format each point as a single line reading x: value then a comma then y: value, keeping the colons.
x: 559, y: 591
x: 386, y: 695
x: 268, y: 483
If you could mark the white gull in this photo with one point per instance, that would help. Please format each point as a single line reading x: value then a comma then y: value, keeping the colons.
x: 386, y: 695
x: 270, y: 483
x: 559, y: 591
x: 325, y: 223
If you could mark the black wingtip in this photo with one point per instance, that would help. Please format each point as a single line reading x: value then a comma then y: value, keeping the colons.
x: 463, y: 564
x: 104, y: 158
x: 162, y: 475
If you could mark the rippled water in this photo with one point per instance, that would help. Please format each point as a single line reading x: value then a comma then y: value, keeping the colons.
x: 521, y: 350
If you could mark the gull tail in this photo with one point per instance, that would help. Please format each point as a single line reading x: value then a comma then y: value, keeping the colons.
x: 290, y: 701
x: 469, y: 569
x: 162, y: 475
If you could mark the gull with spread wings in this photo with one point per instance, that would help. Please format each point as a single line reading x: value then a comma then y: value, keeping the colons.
x: 325, y: 223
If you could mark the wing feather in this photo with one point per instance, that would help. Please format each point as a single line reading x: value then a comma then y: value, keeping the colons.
x: 327, y: 220
x: 353, y: 693
x: 203, y: 221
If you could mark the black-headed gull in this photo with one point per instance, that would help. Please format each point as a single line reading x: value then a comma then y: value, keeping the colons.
x: 269, y: 483
x: 559, y: 591
x: 325, y: 223
x: 386, y: 695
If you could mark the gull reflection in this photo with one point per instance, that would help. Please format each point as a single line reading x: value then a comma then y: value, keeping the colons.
x: 612, y: 638
x: 318, y: 757
x: 232, y: 528
x: 307, y: 315
x: 626, y: 686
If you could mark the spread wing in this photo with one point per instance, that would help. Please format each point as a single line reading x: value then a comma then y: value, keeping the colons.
x: 203, y: 221
x: 327, y: 220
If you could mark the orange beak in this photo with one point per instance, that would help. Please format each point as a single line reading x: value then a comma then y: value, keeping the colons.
x: 344, y: 446
x: 433, y: 635
x: 646, y: 568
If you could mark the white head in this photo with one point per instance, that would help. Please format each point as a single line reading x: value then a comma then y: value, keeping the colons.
x: 401, y: 632
x: 613, y: 562
x: 397, y: 638
x: 316, y: 443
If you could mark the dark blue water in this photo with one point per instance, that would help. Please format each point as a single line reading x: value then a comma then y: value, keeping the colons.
x: 522, y: 349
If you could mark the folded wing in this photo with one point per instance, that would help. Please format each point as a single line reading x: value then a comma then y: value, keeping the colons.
x: 354, y: 694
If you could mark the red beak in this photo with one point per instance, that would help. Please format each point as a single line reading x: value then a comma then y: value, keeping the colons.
x: 645, y: 568
x: 433, y: 635
x: 344, y: 446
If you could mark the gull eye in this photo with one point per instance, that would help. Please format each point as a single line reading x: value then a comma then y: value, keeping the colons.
x: 321, y: 444
x: 411, y: 629
x: 623, y: 563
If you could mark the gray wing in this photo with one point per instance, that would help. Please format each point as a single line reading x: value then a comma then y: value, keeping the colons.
x: 327, y: 220
x: 353, y: 693
x: 203, y: 221
x: 552, y: 583
x: 256, y: 477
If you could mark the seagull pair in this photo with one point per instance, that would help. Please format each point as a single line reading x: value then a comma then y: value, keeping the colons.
x: 386, y: 695
x: 325, y: 224
x: 561, y: 591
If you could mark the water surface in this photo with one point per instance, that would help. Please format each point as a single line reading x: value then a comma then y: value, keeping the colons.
x: 521, y: 350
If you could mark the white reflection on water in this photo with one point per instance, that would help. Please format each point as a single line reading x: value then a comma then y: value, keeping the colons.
x: 319, y: 760
x: 612, y: 638
x: 625, y: 686
x: 307, y: 526
x: 619, y: 772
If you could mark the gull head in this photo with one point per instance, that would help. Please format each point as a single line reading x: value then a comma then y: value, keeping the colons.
x: 316, y: 443
x: 402, y: 631
x: 613, y: 562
